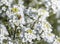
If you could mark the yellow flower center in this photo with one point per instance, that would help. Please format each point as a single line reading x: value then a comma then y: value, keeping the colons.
x: 14, y: 10
x: 29, y: 31
x: 47, y: 25
x: 50, y: 34
x: 43, y: 11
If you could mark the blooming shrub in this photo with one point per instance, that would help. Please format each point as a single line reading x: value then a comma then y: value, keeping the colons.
x: 21, y: 24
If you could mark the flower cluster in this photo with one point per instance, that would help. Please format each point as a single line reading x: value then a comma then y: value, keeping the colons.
x: 26, y: 24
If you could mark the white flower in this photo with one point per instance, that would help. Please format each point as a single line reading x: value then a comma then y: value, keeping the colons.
x: 29, y: 20
x: 37, y: 27
x: 15, y: 9
x: 10, y: 42
x: 32, y: 12
x: 49, y: 37
x: 46, y: 27
x: 4, y: 1
x: 16, y: 22
x: 4, y: 8
x: 54, y: 1
x: 30, y: 31
x: 29, y: 35
x: 16, y: 12
x: 38, y: 37
x: 57, y: 41
x: 3, y: 33
x: 3, y: 30
x: 55, y: 5
x: 2, y: 37
x: 43, y: 13
x: 23, y: 40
